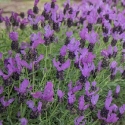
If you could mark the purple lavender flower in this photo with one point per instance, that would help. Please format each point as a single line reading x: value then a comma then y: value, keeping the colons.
x: 87, y: 86
x: 6, y: 103
x: 82, y: 105
x: 18, y: 63
x: 66, y: 6
x: 71, y: 98
x: 92, y: 17
x: 63, y: 50
x: 25, y: 64
x: 35, y: 110
x: 23, y: 86
x: 77, y: 88
x: 70, y: 86
x: 36, y: 2
x: 60, y: 95
x: 48, y: 31
x: 56, y: 22
x: 73, y: 45
x: 108, y: 102
x: 79, y: 121
x: 94, y: 99
x: 13, y: 36
x: 112, y: 118
x: 23, y: 121
x: 104, y: 53
x: 35, y: 8
x: 121, y: 110
x: 34, y: 63
x: 30, y: 13
x: 36, y: 39
x: 47, y: 8
x: 113, y: 65
x: 83, y: 35
x: 109, y: 93
x: 92, y: 37
x: 47, y: 94
x: 116, y: 37
x: 49, y: 35
x: 23, y: 23
x: 37, y: 95
x: 10, y: 65
x: 61, y: 67
x: 88, y: 93
x: 54, y: 7
x: 34, y: 21
x: 110, y: 51
x: 93, y: 85
x: 117, y: 91
x: 22, y: 90
x: 69, y: 34
x: 108, y: 112
x: 85, y: 71
x: 90, y: 57
x: 113, y: 69
x: 86, y: 57
x: 14, y: 19
x: 7, y: 22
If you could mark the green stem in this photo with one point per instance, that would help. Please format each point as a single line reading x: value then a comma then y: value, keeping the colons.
x: 21, y: 110
x: 33, y: 77
x: 46, y: 58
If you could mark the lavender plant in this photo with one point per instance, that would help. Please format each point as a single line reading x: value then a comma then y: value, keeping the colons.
x: 63, y: 61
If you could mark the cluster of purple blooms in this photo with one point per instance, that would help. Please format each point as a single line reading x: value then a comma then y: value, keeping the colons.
x: 90, y: 19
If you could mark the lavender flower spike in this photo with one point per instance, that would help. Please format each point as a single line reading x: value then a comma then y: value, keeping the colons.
x: 71, y: 98
x: 60, y: 94
x: 48, y: 92
x: 37, y: 109
x: 63, y: 66
x: 6, y: 103
x: 30, y: 104
x: 108, y: 102
x: 23, y: 121
x: 94, y: 99
x: 36, y: 2
x: 78, y: 120
x: 13, y: 36
x: 69, y: 34
x: 113, y: 65
x: 117, y: 89
x: 82, y: 105
x: 63, y: 50
x: 23, y: 86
